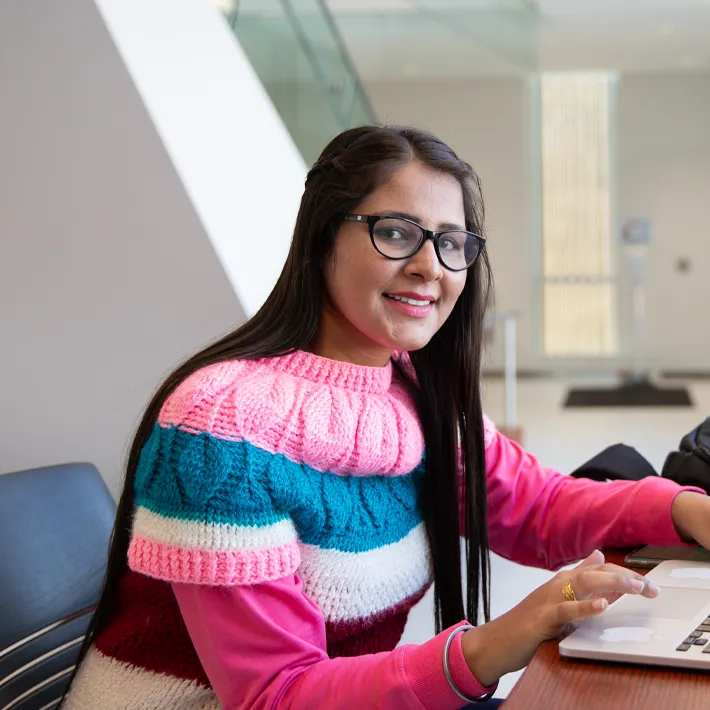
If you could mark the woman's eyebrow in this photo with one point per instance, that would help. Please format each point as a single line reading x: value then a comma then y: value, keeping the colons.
x: 443, y: 226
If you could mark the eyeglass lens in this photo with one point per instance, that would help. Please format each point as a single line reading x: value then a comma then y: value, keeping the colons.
x: 398, y: 239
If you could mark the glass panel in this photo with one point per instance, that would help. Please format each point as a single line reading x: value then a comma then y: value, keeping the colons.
x: 443, y: 39
x: 296, y: 51
x: 506, y: 28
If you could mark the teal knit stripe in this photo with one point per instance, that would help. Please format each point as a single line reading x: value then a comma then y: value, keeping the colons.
x: 198, y: 477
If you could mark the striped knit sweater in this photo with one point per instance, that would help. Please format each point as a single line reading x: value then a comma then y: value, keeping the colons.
x: 297, y: 479
x: 256, y: 470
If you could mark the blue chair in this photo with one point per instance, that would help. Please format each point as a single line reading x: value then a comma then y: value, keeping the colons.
x: 55, y: 526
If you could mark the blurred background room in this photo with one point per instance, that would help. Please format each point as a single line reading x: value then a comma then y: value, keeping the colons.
x: 152, y: 157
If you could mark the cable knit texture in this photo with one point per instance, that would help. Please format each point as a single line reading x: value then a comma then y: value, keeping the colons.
x: 256, y: 470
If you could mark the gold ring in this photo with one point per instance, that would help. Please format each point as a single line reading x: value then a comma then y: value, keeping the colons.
x: 568, y: 593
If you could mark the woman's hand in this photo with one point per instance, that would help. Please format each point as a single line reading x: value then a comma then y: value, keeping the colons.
x: 691, y: 516
x: 508, y: 643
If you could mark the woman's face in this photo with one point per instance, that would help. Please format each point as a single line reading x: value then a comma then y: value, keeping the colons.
x: 362, y: 322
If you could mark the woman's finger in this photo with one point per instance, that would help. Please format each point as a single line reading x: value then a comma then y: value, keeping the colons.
x: 596, y: 558
x: 588, y: 582
x: 651, y: 590
x: 571, y: 612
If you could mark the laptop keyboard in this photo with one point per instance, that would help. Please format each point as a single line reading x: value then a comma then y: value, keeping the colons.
x: 697, y: 638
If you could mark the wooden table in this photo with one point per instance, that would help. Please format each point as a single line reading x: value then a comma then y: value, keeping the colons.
x: 551, y: 682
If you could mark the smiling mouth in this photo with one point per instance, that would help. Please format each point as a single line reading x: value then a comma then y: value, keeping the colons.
x: 410, y: 301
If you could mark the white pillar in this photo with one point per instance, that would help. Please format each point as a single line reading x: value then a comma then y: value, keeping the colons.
x: 236, y: 159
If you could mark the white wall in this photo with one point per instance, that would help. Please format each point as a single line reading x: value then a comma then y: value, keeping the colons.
x: 108, y: 276
x: 663, y: 173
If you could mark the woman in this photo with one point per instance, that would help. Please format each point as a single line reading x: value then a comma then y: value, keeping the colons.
x: 281, y: 513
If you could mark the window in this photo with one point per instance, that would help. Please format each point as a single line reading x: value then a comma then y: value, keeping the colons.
x: 579, y: 285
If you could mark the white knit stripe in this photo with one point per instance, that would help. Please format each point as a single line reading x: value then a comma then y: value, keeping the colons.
x: 211, y: 536
x: 106, y: 684
x: 356, y: 585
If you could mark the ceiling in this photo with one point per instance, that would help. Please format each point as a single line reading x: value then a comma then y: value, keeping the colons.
x: 628, y: 35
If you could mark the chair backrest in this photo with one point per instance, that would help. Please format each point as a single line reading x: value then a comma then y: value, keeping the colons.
x: 55, y: 525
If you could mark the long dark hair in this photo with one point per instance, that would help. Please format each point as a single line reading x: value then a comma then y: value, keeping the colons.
x: 447, y: 369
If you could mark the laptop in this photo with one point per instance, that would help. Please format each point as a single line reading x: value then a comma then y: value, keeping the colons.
x: 671, y: 630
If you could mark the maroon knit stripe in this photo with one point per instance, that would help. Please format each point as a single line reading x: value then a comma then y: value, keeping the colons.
x: 379, y: 632
x: 342, y: 630
x: 146, y: 630
x: 383, y: 637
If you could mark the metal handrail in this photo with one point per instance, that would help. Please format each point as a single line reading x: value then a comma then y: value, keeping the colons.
x: 510, y: 325
x: 307, y: 48
x: 347, y: 59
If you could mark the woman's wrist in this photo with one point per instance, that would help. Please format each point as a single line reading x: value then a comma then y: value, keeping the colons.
x: 482, y: 656
x: 686, y: 509
x: 501, y: 646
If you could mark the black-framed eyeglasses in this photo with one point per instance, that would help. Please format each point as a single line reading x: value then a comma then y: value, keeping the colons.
x: 401, y: 238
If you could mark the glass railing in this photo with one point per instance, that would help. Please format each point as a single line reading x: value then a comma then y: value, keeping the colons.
x: 297, y: 52
x: 505, y: 28
x: 442, y: 40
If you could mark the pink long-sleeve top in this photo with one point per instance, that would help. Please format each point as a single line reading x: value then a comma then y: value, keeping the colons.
x: 278, y: 544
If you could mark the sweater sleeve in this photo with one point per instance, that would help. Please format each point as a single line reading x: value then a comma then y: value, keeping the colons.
x: 204, y: 509
x: 263, y: 646
x: 540, y: 517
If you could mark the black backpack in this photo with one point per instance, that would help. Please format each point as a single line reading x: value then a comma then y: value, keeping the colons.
x: 689, y: 466
x: 616, y: 463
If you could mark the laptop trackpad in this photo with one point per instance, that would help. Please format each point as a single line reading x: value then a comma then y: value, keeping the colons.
x: 672, y: 603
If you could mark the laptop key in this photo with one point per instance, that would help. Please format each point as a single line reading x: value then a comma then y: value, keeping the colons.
x: 695, y: 635
x: 700, y: 642
x: 706, y: 649
x: 704, y: 628
x: 683, y: 647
